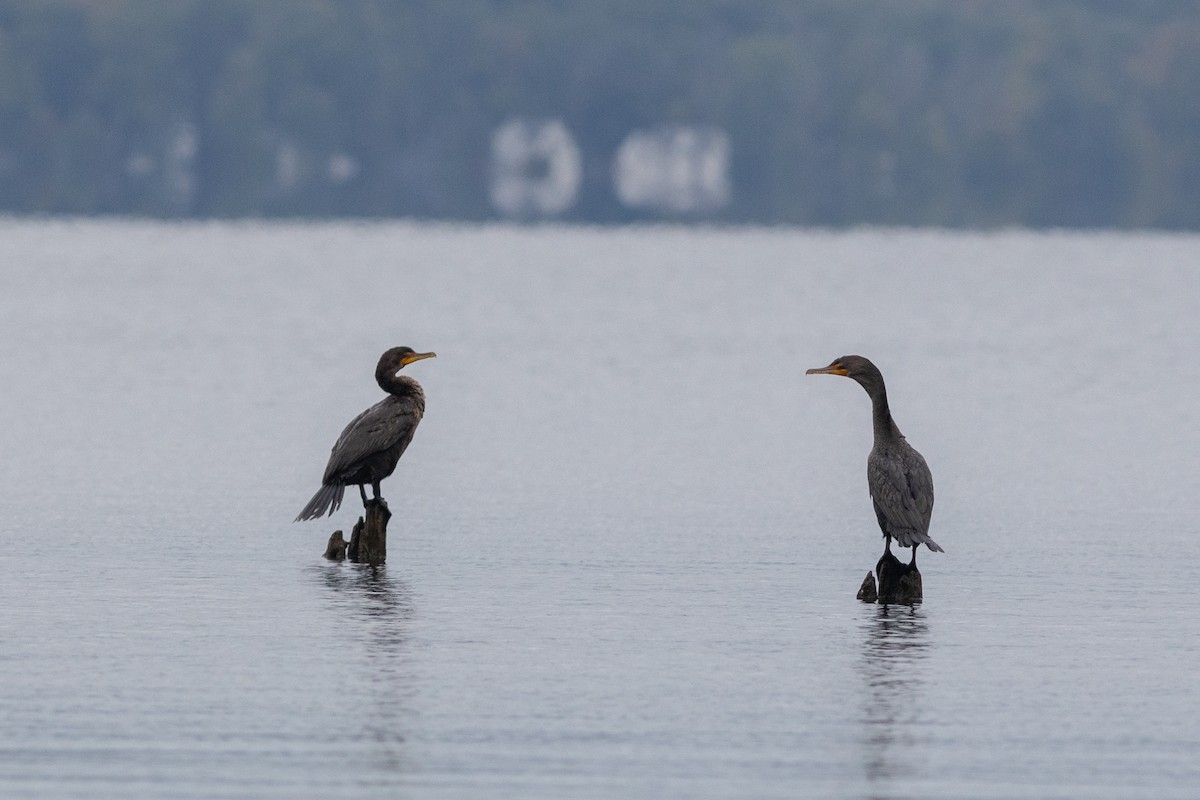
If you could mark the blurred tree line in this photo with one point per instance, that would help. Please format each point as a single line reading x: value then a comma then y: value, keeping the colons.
x: 942, y: 112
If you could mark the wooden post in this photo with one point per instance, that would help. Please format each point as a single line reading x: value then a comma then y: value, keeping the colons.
x: 368, y: 539
x: 898, y: 582
x: 336, y: 549
x: 867, y: 592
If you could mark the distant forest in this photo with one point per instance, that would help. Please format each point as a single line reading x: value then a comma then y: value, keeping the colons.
x: 825, y: 112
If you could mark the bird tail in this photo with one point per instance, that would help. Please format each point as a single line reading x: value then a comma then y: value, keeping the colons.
x: 327, y: 498
x: 909, y: 538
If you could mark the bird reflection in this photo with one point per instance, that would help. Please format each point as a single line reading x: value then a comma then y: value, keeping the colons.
x: 369, y: 595
x: 895, y: 644
x: 377, y: 609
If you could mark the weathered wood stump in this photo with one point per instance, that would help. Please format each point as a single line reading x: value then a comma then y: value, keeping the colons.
x: 867, y: 592
x: 368, y: 538
x: 898, y: 582
x: 336, y: 549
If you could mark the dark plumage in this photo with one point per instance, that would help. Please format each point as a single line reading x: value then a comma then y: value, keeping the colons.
x: 370, y: 446
x: 897, y: 475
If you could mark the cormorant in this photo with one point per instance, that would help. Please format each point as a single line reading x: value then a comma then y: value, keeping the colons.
x: 370, y: 446
x: 897, y: 475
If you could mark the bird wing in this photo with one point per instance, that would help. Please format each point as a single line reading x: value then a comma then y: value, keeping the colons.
x: 902, y: 488
x: 385, y: 424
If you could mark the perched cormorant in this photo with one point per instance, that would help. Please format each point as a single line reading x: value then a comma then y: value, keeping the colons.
x: 897, y: 475
x: 370, y: 446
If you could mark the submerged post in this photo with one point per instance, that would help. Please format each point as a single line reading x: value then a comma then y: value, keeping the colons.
x: 368, y: 539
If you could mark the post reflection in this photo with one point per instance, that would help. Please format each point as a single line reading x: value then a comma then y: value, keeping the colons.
x: 377, y: 611
x: 895, y: 643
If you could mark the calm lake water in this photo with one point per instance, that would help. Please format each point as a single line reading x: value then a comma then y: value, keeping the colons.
x: 628, y: 534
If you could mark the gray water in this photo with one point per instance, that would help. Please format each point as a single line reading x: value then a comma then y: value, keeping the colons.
x: 628, y: 534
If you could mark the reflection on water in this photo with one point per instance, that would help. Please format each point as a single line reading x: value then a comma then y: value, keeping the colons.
x: 895, y: 645
x: 377, y: 611
x: 380, y: 603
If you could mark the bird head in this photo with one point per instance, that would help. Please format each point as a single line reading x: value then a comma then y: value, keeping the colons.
x: 398, y: 358
x: 856, y: 367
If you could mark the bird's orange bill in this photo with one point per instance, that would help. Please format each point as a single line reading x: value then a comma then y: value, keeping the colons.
x: 835, y: 368
x: 411, y: 357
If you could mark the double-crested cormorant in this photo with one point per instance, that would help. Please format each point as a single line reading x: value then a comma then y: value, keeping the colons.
x: 897, y: 475
x: 370, y: 446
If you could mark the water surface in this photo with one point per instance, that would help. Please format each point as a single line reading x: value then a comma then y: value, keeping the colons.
x: 629, y: 531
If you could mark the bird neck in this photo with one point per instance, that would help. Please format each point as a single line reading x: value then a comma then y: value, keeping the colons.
x: 881, y: 415
x: 399, y: 385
